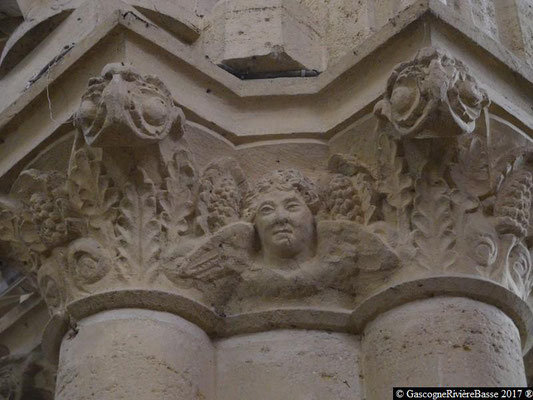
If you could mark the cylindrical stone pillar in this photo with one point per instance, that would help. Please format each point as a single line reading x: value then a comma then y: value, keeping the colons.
x: 442, y: 342
x: 289, y: 364
x: 136, y: 354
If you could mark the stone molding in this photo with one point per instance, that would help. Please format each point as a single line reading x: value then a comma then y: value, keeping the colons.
x: 52, y: 66
x: 134, y: 215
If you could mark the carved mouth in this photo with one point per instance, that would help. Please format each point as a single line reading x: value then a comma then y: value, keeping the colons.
x: 284, y: 230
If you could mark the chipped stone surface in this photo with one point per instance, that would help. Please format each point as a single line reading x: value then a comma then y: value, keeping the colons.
x: 259, y: 36
x: 258, y: 228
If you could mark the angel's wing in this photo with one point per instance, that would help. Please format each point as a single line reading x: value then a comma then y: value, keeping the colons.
x: 228, y: 252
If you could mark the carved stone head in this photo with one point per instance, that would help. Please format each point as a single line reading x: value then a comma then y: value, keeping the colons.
x: 282, y: 207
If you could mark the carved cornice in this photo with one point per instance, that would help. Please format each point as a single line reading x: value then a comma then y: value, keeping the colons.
x: 134, y: 214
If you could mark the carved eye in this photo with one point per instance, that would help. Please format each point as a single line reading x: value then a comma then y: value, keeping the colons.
x: 293, y: 206
x: 266, y: 209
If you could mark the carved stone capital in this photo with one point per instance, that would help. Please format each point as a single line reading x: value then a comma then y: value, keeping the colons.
x: 146, y: 227
x: 433, y: 95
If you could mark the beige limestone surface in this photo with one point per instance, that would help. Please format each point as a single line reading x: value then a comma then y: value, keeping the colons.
x: 141, y: 354
x: 441, y: 342
x: 194, y: 215
x: 289, y: 364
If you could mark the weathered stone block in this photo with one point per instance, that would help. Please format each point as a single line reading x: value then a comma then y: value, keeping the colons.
x: 265, y: 36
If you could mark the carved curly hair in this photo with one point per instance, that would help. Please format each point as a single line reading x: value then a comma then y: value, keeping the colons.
x: 283, y: 180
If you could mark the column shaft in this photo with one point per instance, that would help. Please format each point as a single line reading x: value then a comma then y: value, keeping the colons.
x: 136, y: 354
x: 443, y: 342
x: 288, y: 365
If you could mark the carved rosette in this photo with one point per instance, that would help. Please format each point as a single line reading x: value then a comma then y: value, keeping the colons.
x: 432, y: 96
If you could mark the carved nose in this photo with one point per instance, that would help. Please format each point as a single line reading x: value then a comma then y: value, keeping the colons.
x: 282, y: 218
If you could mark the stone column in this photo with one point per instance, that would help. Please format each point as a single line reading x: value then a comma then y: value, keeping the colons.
x: 445, y: 325
x: 441, y: 342
x: 136, y: 354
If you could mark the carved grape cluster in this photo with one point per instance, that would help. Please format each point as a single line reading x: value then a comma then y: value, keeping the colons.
x: 513, y: 203
x: 224, y: 204
x: 343, y: 200
x: 222, y: 187
x: 48, y: 218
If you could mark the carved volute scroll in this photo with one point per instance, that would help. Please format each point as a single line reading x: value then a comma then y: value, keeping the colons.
x: 432, y: 96
x: 134, y: 212
x: 122, y: 100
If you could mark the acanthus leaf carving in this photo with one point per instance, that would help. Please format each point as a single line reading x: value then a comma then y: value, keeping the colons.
x: 519, y: 270
x: 432, y: 186
x: 176, y: 199
x: 91, y: 191
x: 397, y: 186
x: 434, y: 235
x: 471, y: 173
x: 138, y: 232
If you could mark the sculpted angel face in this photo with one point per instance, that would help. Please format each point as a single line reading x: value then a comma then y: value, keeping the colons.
x: 281, y: 207
x: 284, y: 223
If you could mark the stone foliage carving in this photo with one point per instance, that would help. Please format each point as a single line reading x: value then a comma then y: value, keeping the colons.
x: 437, y: 200
x: 461, y: 207
x: 126, y: 215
